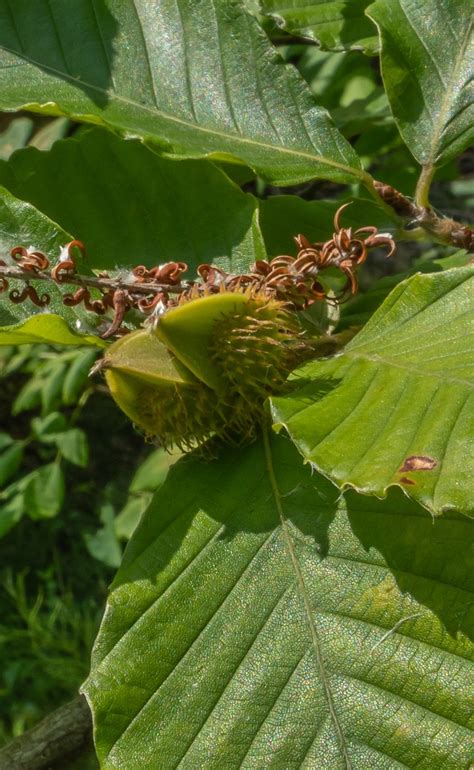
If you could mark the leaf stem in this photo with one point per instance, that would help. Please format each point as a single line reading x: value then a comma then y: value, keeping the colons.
x: 423, y: 186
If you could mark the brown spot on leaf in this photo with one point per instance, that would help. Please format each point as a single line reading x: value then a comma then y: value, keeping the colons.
x: 405, y: 480
x: 418, y: 463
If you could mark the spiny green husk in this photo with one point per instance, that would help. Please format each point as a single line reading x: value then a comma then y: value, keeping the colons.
x: 246, y: 348
x: 255, y: 347
x: 158, y: 393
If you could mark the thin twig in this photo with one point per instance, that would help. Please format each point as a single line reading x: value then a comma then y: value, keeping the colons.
x: 18, y: 273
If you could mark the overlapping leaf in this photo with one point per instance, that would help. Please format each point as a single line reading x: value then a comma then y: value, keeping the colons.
x: 427, y: 61
x: 140, y: 208
x: 48, y: 329
x: 23, y: 225
x: 397, y: 407
x: 260, y: 620
x: 337, y: 25
x: 197, y: 78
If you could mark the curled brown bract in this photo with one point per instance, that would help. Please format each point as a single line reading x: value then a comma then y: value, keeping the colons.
x: 67, y: 264
x: 29, y: 260
x: 29, y: 292
x: 295, y: 281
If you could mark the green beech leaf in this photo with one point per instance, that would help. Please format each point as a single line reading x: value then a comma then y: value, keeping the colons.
x: 337, y: 25
x: 104, y: 545
x: 260, y: 619
x: 52, y: 386
x: 5, y: 440
x: 11, y: 513
x: 146, y: 209
x: 427, y: 60
x: 397, y: 407
x: 46, y: 328
x: 196, y: 79
x: 77, y: 375
x: 10, y: 461
x: 21, y: 224
x: 44, y: 493
x: 358, y: 310
x: 73, y: 446
x: 46, y: 428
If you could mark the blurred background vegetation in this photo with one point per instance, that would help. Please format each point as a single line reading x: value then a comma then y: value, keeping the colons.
x: 74, y: 474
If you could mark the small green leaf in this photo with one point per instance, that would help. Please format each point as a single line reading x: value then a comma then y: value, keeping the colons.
x: 337, y: 25
x: 103, y: 545
x: 77, y: 376
x: 11, y: 513
x: 48, y: 328
x: 397, y: 407
x: 44, y: 493
x: 73, y: 446
x: 52, y: 387
x: 153, y: 471
x: 127, y: 520
x: 5, y: 440
x: 46, y: 428
x: 10, y: 461
x: 29, y: 396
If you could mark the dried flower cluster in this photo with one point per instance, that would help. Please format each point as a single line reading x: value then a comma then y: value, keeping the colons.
x: 295, y: 281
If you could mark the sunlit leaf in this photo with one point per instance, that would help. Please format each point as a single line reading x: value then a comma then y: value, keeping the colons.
x: 259, y: 619
x: 46, y: 328
x: 427, y: 60
x: 397, y: 407
x: 195, y: 79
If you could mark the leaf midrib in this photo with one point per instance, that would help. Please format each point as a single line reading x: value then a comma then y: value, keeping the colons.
x: 113, y: 96
x: 440, y: 122
x: 306, y: 601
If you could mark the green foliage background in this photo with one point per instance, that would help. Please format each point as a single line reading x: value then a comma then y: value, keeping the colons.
x: 256, y: 605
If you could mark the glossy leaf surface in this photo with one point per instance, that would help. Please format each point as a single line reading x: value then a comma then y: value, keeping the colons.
x: 259, y: 619
x: 46, y: 328
x: 21, y: 224
x: 397, y: 406
x: 337, y: 25
x: 427, y: 59
x: 196, y: 79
